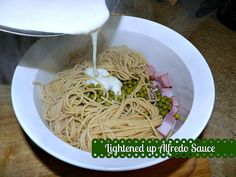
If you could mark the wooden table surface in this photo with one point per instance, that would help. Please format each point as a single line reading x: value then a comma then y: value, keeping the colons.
x: 20, y: 157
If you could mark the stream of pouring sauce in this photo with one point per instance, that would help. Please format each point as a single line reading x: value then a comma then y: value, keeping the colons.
x: 101, y: 76
x: 62, y: 16
x: 94, y: 36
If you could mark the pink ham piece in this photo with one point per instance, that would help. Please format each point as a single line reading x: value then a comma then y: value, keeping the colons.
x: 151, y: 70
x: 175, y: 102
x: 156, y: 76
x: 174, y: 110
x: 167, y: 124
x: 164, y: 81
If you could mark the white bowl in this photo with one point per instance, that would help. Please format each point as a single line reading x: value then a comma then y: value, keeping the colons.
x: 164, y: 48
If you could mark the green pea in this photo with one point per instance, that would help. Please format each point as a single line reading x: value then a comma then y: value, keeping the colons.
x: 167, y: 103
x: 145, y: 93
x: 112, y: 96
x: 165, y: 107
x: 125, y: 82
x: 126, y: 87
x: 165, y: 112
x: 163, y: 100
x: 129, y: 82
x: 137, y: 94
x: 143, y: 88
x: 91, y: 96
x: 111, y: 93
x: 161, y: 109
x: 130, y: 85
x: 146, y: 113
x: 98, y: 100
x: 177, y: 116
x: 100, y: 92
x: 169, y: 107
x: 160, y: 104
x: 142, y: 95
x: 91, y: 85
x: 169, y: 100
x: 107, y: 104
x: 98, y: 86
x: 119, y: 98
x: 164, y: 97
x: 129, y: 90
x: 162, y: 113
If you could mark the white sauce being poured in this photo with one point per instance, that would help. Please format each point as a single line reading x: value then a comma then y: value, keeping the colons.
x: 101, y: 76
x: 94, y: 36
x: 108, y: 81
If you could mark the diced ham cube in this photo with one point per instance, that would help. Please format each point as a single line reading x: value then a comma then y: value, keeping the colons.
x: 165, y: 81
x: 175, y: 102
x: 167, y: 124
x: 151, y: 71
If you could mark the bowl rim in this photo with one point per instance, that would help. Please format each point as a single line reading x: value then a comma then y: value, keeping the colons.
x: 201, y: 81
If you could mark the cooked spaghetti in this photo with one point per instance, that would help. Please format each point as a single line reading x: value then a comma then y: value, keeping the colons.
x: 77, y: 112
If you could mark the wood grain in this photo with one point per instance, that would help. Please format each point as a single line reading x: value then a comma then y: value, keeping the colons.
x: 19, y: 156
